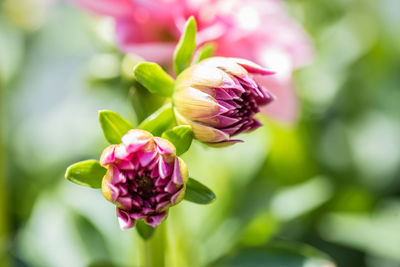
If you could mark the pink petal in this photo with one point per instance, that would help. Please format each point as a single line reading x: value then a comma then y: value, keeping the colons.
x: 115, y: 8
x: 146, y: 157
x: 164, y: 168
x: 155, y: 220
x: 176, y: 175
x: 255, y: 70
x: 108, y: 155
x: 126, y: 202
x: 163, y: 147
x: 118, y: 177
x: 162, y: 205
x: 124, y: 220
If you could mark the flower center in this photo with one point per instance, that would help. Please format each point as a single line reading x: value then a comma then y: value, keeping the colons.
x: 145, y: 186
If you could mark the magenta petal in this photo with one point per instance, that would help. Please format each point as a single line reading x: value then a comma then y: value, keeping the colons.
x: 238, y: 86
x: 155, y: 220
x: 126, y: 165
x: 171, y: 187
x: 222, y: 94
x: 109, y: 156
x: 137, y: 215
x: 153, y: 164
x: 123, y: 189
x: 163, y: 148
x: 175, y: 196
x: 122, y: 154
x: 225, y: 121
x: 247, y: 81
x: 164, y: 168
x: 124, y: 220
x: 162, y: 205
x: 162, y: 196
x: 118, y: 177
x: 228, y: 82
x: 232, y: 130
x: 154, y: 173
x: 160, y: 182
x: 114, y: 192
x: 222, y: 109
x: 266, y: 98
x: 137, y: 202
x: 132, y: 143
x: 176, y: 175
x: 225, y: 105
x: 255, y: 70
x: 147, y: 211
x: 146, y: 157
x: 126, y: 202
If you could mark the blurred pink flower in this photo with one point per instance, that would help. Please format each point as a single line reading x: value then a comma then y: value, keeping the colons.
x: 258, y: 30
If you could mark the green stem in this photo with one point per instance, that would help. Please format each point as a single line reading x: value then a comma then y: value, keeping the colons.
x: 154, y: 248
x: 3, y: 212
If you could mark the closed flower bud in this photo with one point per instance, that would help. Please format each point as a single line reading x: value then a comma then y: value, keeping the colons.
x: 219, y: 99
x: 144, y: 178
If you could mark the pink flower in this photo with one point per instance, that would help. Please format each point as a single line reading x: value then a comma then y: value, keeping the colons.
x: 258, y: 30
x: 144, y: 178
x: 219, y: 99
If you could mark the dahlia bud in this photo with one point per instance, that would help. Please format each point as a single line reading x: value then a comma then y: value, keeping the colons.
x: 144, y: 178
x: 219, y: 98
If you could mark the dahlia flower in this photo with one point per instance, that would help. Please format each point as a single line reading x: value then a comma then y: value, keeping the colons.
x: 144, y: 178
x: 219, y: 98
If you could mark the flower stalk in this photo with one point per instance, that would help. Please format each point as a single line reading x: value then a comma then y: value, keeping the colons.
x: 3, y: 209
x: 155, y: 247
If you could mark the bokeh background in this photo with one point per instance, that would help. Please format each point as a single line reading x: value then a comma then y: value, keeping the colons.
x: 331, y: 181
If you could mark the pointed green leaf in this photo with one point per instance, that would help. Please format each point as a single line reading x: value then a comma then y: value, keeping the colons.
x: 159, y: 121
x: 181, y: 136
x: 204, y: 52
x: 87, y: 173
x: 144, y: 230
x: 185, y: 47
x: 154, y: 78
x: 114, y: 126
x: 276, y: 254
x: 198, y: 193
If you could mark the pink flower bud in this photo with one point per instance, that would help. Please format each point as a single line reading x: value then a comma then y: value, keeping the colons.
x: 219, y: 98
x: 144, y: 178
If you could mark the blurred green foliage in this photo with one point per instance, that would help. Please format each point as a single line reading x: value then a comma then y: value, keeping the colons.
x: 332, y: 181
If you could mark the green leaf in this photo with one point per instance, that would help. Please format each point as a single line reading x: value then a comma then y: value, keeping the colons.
x: 204, y: 52
x: 92, y: 240
x: 181, y: 136
x: 102, y: 263
x: 114, y: 125
x: 159, y: 121
x: 198, y: 193
x: 154, y: 78
x: 87, y: 173
x: 185, y: 47
x: 144, y: 230
x: 278, y: 254
x: 143, y: 102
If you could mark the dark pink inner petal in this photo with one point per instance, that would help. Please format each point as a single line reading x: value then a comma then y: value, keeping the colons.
x: 144, y: 186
